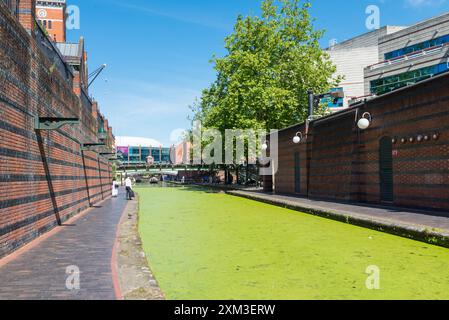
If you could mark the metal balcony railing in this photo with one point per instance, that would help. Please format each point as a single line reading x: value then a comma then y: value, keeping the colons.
x: 410, y: 56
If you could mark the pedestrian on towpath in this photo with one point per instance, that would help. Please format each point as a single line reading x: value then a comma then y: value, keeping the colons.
x: 115, y: 188
x: 129, y: 188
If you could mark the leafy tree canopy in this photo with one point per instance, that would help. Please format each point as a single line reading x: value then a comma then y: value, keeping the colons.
x: 271, y: 62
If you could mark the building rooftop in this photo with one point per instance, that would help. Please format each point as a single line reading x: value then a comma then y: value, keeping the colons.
x: 367, y: 38
x: 70, y: 49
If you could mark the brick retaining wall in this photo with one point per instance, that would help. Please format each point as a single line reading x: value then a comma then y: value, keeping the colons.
x: 341, y: 162
x: 31, y: 195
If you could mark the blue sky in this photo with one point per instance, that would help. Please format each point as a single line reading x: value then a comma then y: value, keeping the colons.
x: 158, y: 51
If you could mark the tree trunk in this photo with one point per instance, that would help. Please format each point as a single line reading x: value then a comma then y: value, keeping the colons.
x: 237, y: 172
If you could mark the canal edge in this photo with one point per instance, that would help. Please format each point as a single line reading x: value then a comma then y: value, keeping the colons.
x: 135, y: 277
x: 418, y: 233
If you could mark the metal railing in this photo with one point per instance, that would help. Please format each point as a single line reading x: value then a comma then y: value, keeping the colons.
x: 13, y: 6
x: 52, y: 53
x: 86, y: 101
x: 410, y: 56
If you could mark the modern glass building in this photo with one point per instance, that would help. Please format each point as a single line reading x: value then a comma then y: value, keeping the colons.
x: 351, y: 57
x: 141, y: 151
x: 332, y: 102
x: 417, y: 47
x: 391, y: 83
x: 409, y: 56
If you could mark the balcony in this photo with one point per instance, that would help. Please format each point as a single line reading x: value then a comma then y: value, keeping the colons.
x: 412, y: 56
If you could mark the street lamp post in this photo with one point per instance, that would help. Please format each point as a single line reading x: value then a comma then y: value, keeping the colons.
x: 311, y: 96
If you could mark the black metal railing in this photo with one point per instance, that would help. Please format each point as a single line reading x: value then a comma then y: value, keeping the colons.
x: 53, y: 54
x: 13, y: 6
x: 86, y: 101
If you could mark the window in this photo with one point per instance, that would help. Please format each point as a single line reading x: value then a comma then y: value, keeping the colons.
x: 391, y: 83
x: 417, y: 47
x: 50, y: 24
x: 332, y: 102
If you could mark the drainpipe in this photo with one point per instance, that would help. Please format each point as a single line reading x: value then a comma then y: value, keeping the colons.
x: 309, y: 145
x: 311, y: 103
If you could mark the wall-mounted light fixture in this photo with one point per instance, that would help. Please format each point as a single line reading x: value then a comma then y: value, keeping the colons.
x: 297, y: 138
x: 365, y: 121
x: 435, y: 136
x: 265, y: 146
x: 403, y: 140
x: 420, y: 138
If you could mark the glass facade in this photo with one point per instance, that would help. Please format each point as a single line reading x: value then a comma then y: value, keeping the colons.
x: 388, y: 84
x: 417, y: 47
x: 139, y: 155
x: 332, y: 102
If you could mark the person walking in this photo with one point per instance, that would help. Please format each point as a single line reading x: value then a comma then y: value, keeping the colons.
x: 115, y: 188
x: 129, y: 188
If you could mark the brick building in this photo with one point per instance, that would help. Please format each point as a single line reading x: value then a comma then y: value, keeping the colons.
x: 402, y: 159
x: 52, y: 17
x: 47, y: 174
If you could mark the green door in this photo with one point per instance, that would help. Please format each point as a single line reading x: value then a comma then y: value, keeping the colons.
x: 386, y: 169
x: 297, y: 173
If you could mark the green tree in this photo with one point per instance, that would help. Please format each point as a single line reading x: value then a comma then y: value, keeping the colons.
x: 271, y: 62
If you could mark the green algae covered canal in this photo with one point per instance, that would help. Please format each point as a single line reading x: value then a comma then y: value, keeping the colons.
x: 206, y: 245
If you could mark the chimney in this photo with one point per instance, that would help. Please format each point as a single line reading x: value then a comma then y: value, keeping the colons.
x: 27, y: 14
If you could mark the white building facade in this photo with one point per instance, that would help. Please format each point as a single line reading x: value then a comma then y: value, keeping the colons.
x: 351, y: 57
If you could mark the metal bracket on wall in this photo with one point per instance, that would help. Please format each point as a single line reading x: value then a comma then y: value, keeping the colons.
x: 49, y: 123
x: 87, y: 146
x: 102, y: 136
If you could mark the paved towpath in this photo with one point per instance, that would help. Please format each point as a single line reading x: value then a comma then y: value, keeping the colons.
x: 38, y: 272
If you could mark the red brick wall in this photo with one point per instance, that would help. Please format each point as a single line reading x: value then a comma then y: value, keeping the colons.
x: 27, y: 13
x: 285, y: 178
x: 57, y: 16
x: 343, y: 162
x: 31, y: 197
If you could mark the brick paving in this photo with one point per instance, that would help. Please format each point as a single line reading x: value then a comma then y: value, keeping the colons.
x: 39, y: 273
